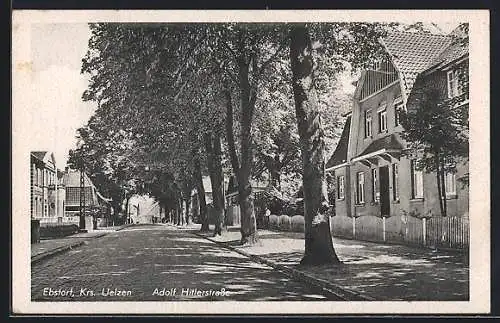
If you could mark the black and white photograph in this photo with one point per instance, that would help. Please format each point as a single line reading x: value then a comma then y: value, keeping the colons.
x: 250, y: 162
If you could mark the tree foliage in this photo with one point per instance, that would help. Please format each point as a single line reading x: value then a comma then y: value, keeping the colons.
x: 437, y: 127
x: 162, y: 90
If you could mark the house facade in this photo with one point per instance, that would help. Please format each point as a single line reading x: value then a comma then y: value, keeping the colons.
x: 47, y: 189
x: 376, y: 176
x: 94, y: 201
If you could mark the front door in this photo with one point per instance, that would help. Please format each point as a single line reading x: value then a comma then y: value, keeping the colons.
x: 384, y: 191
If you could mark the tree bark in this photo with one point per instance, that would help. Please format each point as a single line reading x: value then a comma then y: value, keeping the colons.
x: 127, y: 217
x: 242, y: 173
x: 443, y: 188
x: 187, y: 201
x: 274, y: 166
x: 179, y: 211
x: 318, y: 240
x: 213, y: 146
x: 440, y: 191
x: 201, y: 197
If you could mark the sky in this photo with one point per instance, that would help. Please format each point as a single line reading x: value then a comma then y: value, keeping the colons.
x: 57, y: 85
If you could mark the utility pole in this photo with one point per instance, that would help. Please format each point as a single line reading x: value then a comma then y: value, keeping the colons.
x: 82, y: 197
x: 55, y: 189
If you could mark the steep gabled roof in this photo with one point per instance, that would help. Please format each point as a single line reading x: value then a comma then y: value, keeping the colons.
x: 40, y: 155
x: 72, y: 179
x: 412, y: 53
x: 340, y: 154
x: 453, y: 52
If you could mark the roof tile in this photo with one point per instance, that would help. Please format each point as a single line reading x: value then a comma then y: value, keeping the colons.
x: 412, y: 53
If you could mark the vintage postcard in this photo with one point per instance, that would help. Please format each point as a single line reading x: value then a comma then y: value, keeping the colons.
x: 250, y: 162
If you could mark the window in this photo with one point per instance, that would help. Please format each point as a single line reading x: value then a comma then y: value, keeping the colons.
x: 360, y: 192
x: 450, y: 184
x: 395, y: 182
x: 375, y: 190
x: 368, y: 123
x: 454, y: 88
x: 398, y: 107
x: 382, y: 117
x: 340, y: 187
x: 417, y: 183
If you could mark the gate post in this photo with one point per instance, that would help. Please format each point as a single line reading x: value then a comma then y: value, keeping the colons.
x: 383, y: 228
x: 424, y: 229
x: 353, y: 227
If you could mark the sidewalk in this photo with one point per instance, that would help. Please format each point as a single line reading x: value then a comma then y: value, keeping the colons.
x: 375, y: 271
x: 49, y: 247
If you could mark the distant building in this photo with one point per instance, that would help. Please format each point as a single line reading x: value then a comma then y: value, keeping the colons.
x: 143, y: 209
x: 46, y: 187
x: 95, y: 203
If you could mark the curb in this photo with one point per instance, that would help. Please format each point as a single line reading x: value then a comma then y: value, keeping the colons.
x: 299, y: 275
x: 50, y: 253
x: 124, y: 226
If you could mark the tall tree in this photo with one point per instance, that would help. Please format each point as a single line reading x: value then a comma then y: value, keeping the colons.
x: 354, y: 44
x: 318, y: 239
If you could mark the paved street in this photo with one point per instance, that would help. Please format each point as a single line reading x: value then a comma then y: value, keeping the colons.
x: 156, y: 262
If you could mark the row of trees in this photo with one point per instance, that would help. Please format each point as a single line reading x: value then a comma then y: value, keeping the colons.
x: 177, y: 101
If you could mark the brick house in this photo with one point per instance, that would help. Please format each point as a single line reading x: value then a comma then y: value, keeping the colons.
x: 374, y: 178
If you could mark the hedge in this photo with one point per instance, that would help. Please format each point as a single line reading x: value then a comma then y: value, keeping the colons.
x: 58, y: 230
x: 284, y: 222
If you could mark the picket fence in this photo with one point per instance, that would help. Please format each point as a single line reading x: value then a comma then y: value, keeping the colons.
x: 436, y: 232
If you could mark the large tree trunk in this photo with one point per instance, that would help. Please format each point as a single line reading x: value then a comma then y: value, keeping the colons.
x: 443, y: 188
x: 179, y: 211
x: 439, y: 188
x: 187, y: 202
x: 213, y: 146
x: 274, y: 166
x: 201, y: 197
x: 242, y: 173
x: 127, y: 208
x: 318, y: 240
x: 116, y: 210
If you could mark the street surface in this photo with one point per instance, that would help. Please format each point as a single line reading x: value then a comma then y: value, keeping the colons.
x: 160, y: 263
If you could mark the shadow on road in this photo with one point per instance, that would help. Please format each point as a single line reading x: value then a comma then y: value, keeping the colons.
x: 142, y: 259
